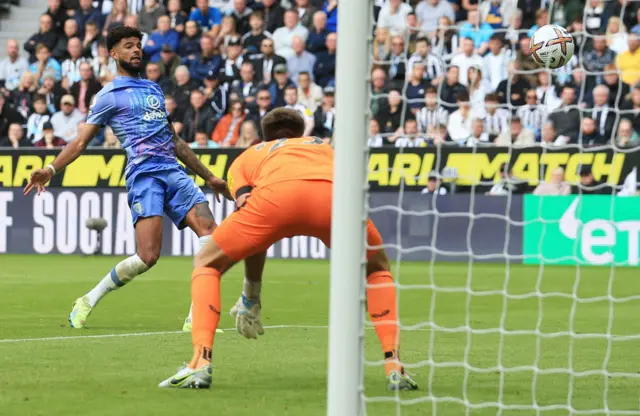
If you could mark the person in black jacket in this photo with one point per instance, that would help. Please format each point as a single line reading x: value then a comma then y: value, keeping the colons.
x: 618, y: 90
x: 70, y: 30
x: 240, y: 14
x: 198, y: 117
x: 177, y: 17
x: 52, y: 91
x: 231, y: 61
x: 324, y: 70
x: 390, y: 116
x: 398, y: 65
x: 590, y: 136
x: 259, y: 108
x: 566, y: 119
x: 508, y: 184
x: 324, y: 116
x: 181, y: 86
x: 8, y: 115
x: 58, y: 14
x: 216, y: 94
x: 15, y: 138
x: 265, y: 65
x: 245, y: 87
x: 252, y: 40
x: 317, y: 39
x: 450, y: 88
x: 46, y: 35
x: 273, y: 15
x: 306, y: 11
x: 601, y: 113
x: 595, y: 61
x: 190, y: 42
x: 616, y: 7
x: 529, y: 9
x: 588, y: 184
x: 152, y: 73
x: 513, y: 89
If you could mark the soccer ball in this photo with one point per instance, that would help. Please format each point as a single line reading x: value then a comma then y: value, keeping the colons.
x: 552, y: 46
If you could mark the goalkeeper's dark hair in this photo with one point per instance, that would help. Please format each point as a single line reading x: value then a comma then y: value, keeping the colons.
x: 282, y: 123
x: 122, y: 32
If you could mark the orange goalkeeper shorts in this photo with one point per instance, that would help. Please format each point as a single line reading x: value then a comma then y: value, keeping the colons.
x: 282, y: 210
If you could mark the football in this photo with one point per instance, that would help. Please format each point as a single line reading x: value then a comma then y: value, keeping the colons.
x: 552, y: 46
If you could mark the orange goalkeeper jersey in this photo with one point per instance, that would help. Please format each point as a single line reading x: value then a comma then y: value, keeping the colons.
x: 278, y: 161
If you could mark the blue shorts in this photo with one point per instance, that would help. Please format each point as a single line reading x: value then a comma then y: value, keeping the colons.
x: 167, y: 190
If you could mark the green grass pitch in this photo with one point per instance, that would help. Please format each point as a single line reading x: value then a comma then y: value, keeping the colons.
x: 284, y: 372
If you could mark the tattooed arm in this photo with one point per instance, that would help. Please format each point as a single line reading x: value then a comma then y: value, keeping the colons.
x: 191, y: 161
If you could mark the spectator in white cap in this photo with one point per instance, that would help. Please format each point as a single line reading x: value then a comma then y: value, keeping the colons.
x: 433, y: 185
x: 65, y: 122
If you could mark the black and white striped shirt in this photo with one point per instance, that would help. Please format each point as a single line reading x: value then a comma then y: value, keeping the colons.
x: 135, y: 6
x: 433, y: 65
x: 532, y: 117
x: 71, y: 69
x: 406, y: 141
x: 495, y: 123
x: 427, y: 118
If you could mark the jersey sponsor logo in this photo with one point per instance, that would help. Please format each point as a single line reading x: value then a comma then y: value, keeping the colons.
x: 154, y: 115
x: 153, y: 102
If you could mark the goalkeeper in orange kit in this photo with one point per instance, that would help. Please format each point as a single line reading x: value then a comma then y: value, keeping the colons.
x: 283, y: 188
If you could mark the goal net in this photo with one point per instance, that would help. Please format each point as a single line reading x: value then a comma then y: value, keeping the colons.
x: 506, y: 201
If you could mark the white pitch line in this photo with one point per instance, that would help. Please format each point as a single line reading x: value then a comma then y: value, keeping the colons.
x: 143, y: 334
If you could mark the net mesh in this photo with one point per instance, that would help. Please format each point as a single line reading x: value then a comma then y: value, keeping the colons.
x: 483, y: 333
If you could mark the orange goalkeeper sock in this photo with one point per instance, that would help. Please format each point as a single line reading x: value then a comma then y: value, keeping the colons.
x: 381, y: 304
x: 205, y: 295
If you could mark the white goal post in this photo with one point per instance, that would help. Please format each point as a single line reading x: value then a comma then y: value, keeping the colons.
x: 346, y: 311
x: 537, y: 332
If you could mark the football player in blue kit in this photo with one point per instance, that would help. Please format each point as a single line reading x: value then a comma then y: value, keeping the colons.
x: 134, y: 108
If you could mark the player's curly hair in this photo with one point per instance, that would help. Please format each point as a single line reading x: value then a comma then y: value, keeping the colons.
x: 282, y: 123
x: 122, y: 32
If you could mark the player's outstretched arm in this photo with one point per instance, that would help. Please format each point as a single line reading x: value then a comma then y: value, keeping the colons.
x: 191, y: 161
x: 71, y: 151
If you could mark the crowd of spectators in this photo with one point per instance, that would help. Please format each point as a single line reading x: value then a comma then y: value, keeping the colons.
x: 221, y: 64
x: 461, y: 73
x: 457, y: 72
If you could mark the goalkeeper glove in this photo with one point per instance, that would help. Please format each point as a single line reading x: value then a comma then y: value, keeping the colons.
x: 247, y: 314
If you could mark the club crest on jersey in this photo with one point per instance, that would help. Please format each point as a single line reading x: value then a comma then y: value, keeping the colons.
x: 153, y: 102
x: 137, y: 207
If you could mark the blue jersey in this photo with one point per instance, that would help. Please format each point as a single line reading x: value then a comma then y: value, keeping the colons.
x: 156, y: 183
x: 134, y: 109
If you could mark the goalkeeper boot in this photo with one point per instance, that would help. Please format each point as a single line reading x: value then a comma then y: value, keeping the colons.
x: 188, y: 378
x: 400, y: 380
x: 247, y: 314
x: 80, y: 312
